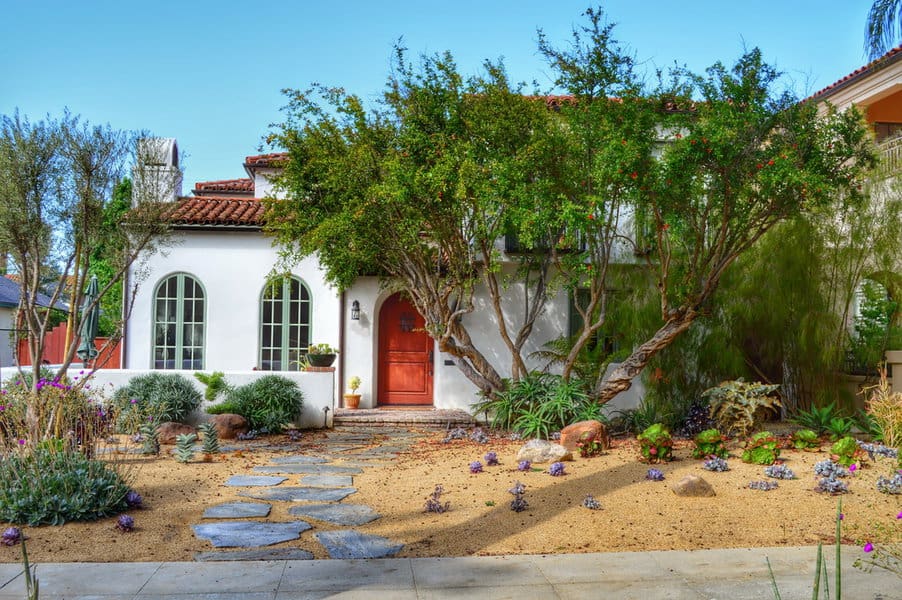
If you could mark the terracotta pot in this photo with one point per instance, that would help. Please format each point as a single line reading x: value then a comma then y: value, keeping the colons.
x: 352, y: 400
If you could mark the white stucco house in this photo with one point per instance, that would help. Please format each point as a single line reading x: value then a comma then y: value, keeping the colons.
x: 206, y: 305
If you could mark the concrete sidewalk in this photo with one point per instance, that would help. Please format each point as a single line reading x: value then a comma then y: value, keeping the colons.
x: 704, y: 574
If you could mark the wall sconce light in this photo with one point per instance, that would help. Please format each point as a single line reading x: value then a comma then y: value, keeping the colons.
x: 355, y: 310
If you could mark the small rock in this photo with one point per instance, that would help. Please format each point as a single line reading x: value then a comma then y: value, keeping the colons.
x: 228, y: 425
x: 539, y: 451
x: 584, y: 431
x: 167, y: 432
x: 692, y: 486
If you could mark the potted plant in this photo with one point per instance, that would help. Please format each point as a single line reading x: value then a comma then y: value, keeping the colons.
x: 352, y: 399
x: 321, y: 355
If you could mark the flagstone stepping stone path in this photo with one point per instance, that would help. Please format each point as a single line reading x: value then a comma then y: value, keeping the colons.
x: 323, y: 485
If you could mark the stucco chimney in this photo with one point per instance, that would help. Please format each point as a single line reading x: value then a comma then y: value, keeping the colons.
x: 157, y: 176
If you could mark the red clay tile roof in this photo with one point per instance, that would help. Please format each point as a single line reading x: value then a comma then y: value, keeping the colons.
x: 217, y: 210
x: 891, y: 56
x: 225, y: 185
x: 274, y: 159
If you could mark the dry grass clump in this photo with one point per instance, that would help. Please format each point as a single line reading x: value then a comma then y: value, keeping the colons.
x: 886, y: 408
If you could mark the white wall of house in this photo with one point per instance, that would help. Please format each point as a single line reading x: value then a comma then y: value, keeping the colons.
x: 232, y: 267
x: 7, y: 340
x: 318, y: 389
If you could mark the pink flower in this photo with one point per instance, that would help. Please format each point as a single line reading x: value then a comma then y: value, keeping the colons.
x: 21, y: 442
x: 841, y: 516
x: 899, y: 516
x: 869, y: 547
x: 853, y: 467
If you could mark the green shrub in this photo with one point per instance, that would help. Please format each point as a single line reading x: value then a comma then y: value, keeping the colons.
x: 817, y: 419
x: 805, y: 439
x: 655, y: 443
x: 164, y: 396
x: 761, y: 449
x: 845, y: 450
x: 215, y: 383
x: 48, y: 487
x: 741, y: 407
x: 539, y: 404
x: 709, y: 443
x: 269, y: 403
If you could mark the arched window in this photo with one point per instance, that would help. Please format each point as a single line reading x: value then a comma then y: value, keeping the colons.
x: 284, y: 324
x: 178, y: 323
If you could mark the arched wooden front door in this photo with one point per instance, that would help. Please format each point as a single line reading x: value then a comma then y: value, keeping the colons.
x: 405, y: 355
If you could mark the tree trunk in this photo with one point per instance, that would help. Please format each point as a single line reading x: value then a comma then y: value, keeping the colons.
x: 621, y: 378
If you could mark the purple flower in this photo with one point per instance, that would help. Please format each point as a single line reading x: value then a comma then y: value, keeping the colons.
x: 491, y: 458
x: 853, y: 467
x: 556, y: 469
x: 21, y: 442
x: 133, y: 499
x: 475, y: 467
x: 869, y: 547
x: 11, y: 537
x: 841, y: 516
x: 134, y: 400
x: 899, y: 516
x: 125, y: 523
x: 525, y: 465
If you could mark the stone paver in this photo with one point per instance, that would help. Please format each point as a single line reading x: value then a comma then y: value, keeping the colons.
x: 328, y: 480
x: 310, y: 469
x: 349, y: 543
x: 249, y: 534
x: 297, y: 460
x: 299, y: 494
x: 340, y: 514
x: 253, y: 481
x: 237, y: 510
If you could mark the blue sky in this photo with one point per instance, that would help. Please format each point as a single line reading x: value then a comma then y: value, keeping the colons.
x: 209, y: 73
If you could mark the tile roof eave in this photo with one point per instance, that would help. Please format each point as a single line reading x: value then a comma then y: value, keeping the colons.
x: 884, y: 61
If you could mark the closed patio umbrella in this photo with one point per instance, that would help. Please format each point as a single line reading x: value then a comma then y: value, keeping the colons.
x: 89, y: 317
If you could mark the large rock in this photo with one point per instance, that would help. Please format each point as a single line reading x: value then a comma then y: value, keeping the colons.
x: 584, y: 431
x: 539, y: 451
x: 168, y: 431
x: 692, y: 486
x: 228, y: 426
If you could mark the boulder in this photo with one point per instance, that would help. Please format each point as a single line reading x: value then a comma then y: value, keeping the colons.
x: 168, y: 431
x: 539, y: 451
x: 584, y: 431
x: 693, y: 486
x: 229, y: 426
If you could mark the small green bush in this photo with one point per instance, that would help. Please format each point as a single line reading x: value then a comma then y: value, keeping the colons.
x: 48, y: 487
x: 655, y: 443
x: 762, y: 449
x: 709, y: 443
x: 805, y: 439
x: 269, y: 403
x: 163, y: 396
x: 846, y: 450
x: 539, y: 404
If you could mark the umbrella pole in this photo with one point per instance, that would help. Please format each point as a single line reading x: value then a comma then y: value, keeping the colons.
x: 70, y: 322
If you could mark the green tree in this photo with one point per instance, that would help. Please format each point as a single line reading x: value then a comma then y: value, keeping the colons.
x: 447, y: 165
x: 56, y: 184
x: 884, y: 27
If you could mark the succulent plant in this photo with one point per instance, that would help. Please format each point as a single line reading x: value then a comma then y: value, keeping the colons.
x: 479, y: 436
x: 210, y: 444
x: 491, y: 459
x: 761, y: 449
x: 715, y: 463
x: 779, y: 472
x: 875, y: 450
x: 764, y: 486
x: 890, y: 485
x: 11, y: 536
x: 133, y: 499
x: 434, y: 504
x: 475, y: 467
x: 556, y: 469
x: 654, y: 475
x: 591, y: 503
x: 805, y: 439
x: 829, y: 469
x: 150, y: 439
x: 845, y: 450
x: 524, y: 465
x: 709, y: 443
x: 697, y: 419
x: 184, y: 447
x: 458, y: 433
x: 519, y: 503
x: 829, y: 485
x: 125, y: 523
x: 655, y: 443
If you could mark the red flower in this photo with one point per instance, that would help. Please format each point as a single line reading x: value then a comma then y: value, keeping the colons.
x: 770, y: 162
x: 590, y: 217
x: 759, y: 165
x: 634, y: 174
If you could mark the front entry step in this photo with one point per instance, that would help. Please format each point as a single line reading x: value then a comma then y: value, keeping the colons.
x: 375, y: 417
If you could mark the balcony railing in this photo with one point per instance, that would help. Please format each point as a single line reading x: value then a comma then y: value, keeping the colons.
x: 891, y: 156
